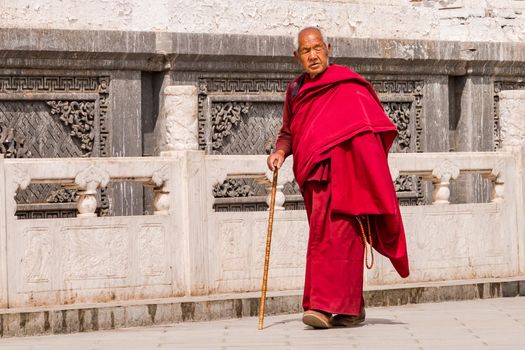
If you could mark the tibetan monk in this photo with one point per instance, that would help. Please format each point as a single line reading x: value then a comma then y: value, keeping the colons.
x: 336, y: 129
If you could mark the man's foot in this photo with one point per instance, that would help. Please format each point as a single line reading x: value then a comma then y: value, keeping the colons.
x: 348, y: 320
x: 317, y: 319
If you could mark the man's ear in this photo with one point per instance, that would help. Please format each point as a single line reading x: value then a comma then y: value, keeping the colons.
x: 296, y: 55
x: 329, y: 49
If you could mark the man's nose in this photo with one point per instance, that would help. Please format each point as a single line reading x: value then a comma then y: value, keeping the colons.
x: 312, y: 55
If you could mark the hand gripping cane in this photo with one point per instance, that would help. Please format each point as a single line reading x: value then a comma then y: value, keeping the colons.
x: 268, y: 244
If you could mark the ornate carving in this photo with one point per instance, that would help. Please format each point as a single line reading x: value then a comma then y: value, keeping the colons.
x: 232, y: 188
x: 91, y: 178
x: 62, y: 195
x: 152, y: 250
x: 160, y: 176
x: 498, y: 87
x: 36, y: 259
x: 21, y: 179
x: 243, y: 85
x: 47, y: 214
x: 445, y: 171
x: 237, y: 87
x: 404, y: 183
x: 12, y: 144
x: 79, y: 116
x: 41, y: 84
x: 399, y: 113
x: 94, y: 252
x: 225, y: 116
x: 413, y: 88
x: 33, y: 128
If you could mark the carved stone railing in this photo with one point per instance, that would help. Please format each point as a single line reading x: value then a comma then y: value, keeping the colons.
x: 442, y: 168
x: 438, y: 168
x: 87, y: 176
x: 189, y: 248
x: 475, y: 239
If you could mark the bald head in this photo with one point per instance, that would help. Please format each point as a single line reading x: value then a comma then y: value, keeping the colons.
x: 312, y: 51
x: 307, y: 31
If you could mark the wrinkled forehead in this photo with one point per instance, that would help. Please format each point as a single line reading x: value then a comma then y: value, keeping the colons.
x: 309, y: 36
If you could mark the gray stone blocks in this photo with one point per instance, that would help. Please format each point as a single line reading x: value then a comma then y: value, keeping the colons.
x: 105, y: 316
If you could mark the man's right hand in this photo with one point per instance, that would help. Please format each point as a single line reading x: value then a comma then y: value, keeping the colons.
x: 276, y: 158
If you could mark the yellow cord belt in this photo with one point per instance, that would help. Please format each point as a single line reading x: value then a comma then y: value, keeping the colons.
x: 364, y: 241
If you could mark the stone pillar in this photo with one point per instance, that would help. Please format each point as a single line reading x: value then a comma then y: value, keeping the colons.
x: 512, y: 121
x: 126, y: 138
x: 177, y: 128
x: 472, y: 130
x: 188, y: 196
x: 3, y: 239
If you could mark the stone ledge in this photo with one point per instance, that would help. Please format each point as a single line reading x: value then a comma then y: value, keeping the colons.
x: 93, y: 317
x: 160, y: 51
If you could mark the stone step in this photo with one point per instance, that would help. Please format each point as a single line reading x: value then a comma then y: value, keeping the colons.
x: 92, y: 317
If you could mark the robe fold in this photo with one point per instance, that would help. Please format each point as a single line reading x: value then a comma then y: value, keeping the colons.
x: 339, y: 135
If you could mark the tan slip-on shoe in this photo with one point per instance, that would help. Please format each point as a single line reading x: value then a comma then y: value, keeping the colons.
x: 348, y: 320
x: 317, y: 319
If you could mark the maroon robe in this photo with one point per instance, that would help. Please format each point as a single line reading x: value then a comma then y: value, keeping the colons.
x: 339, y: 135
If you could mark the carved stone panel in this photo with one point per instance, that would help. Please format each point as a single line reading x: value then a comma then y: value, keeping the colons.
x: 36, y: 260
x: 152, y: 248
x: 95, y: 252
x: 240, y: 116
x: 403, y: 103
x: 500, y: 86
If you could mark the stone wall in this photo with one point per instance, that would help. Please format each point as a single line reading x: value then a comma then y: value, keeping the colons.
x: 464, y: 20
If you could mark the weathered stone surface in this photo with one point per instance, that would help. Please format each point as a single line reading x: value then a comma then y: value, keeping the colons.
x: 512, y: 120
x: 451, y: 20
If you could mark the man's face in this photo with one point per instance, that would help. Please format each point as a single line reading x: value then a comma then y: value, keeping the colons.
x: 312, y: 53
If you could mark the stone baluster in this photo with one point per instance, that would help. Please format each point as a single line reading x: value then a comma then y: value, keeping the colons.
x: 441, y: 176
x: 88, y: 181
x: 161, y: 193
x: 498, y: 183
x: 285, y: 175
x: 280, y: 198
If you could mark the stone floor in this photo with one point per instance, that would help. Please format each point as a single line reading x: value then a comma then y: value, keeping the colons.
x: 479, y: 324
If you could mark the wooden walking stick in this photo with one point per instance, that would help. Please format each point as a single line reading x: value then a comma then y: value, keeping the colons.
x: 268, y: 245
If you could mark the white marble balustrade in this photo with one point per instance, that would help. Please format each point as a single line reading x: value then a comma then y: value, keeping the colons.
x: 188, y: 248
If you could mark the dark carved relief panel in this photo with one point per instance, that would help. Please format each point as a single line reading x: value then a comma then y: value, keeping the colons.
x: 254, y: 132
x: 79, y: 117
x: 403, y: 104
x: 53, y: 117
x: 498, y: 87
x: 239, y: 115
x: 13, y: 144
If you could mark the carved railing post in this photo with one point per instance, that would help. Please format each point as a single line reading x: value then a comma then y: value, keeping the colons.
x: 161, y: 193
x: 285, y: 175
x: 88, y: 181
x: 498, y: 189
x: 21, y: 181
x: 441, y: 176
x: 280, y: 198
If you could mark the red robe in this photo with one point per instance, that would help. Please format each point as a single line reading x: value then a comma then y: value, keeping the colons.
x: 339, y: 135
